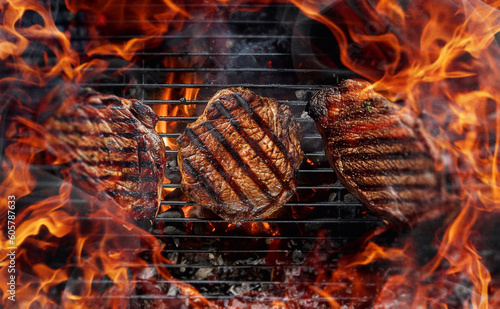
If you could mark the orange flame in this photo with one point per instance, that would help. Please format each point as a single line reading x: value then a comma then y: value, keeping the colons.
x: 102, y: 254
x: 441, y: 57
x: 100, y: 246
x: 148, y: 20
x: 169, y: 94
x: 20, y: 38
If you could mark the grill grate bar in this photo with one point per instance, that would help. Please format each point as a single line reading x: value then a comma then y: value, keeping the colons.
x: 204, y: 36
x: 276, y: 283
x: 316, y: 170
x: 49, y: 184
x: 229, y: 70
x: 238, y: 6
x: 338, y: 187
x: 267, y: 282
x: 270, y: 237
x: 261, y: 299
x: 208, y: 54
x: 281, y: 221
x: 172, y: 250
x: 304, y: 204
x: 174, y: 118
x: 203, y: 21
x: 262, y: 266
x: 204, y: 102
x: 326, y: 204
x: 225, y: 236
x: 212, y: 86
x: 307, y: 154
x: 246, y: 282
x: 176, y: 135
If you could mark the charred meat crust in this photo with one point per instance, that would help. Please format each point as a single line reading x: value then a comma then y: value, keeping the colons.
x: 380, y: 152
x: 116, y: 153
x: 240, y: 157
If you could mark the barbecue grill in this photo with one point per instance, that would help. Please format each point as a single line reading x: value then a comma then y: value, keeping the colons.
x: 265, y: 53
x: 275, y: 51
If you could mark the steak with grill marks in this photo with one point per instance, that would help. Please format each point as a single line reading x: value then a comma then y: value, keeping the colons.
x: 240, y: 157
x: 380, y: 152
x: 116, y: 152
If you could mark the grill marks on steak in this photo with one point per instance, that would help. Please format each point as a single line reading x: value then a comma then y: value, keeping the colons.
x: 240, y: 157
x: 380, y: 152
x: 115, y: 150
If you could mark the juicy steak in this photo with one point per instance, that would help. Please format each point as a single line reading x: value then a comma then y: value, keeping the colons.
x: 240, y: 157
x: 115, y: 151
x: 380, y: 152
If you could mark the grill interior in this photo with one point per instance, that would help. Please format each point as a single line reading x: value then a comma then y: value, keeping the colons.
x: 277, y: 52
x: 274, y: 52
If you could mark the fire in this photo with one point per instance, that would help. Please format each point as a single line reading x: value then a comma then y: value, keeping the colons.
x: 148, y: 21
x: 440, y: 58
x: 65, y: 248
x: 176, y: 110
x: 20, y: 38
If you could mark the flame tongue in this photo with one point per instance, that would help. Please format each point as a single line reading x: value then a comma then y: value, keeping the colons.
x: 440, y: 57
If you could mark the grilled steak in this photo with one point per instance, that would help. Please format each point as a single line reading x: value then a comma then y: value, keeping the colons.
x: 115, y: 150
x: 240, y: 157
x: 380, y: 152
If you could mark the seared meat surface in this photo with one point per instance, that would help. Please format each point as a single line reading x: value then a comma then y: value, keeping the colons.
x: 380, y: 152
x: 240, y: 157
x: 115, y: 150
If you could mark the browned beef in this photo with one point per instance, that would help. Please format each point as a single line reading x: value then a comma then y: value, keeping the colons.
x: 380, y: 152
x: 115, y: 151
x: 240, y: 157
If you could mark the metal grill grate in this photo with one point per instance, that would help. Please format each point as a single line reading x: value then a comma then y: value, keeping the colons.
x: 272, y: 51
x: 221, y: 260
